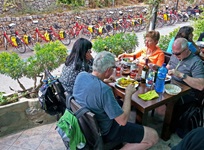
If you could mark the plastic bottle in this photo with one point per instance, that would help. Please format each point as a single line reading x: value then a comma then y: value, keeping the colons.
x: 150, y: 78
x: 160, y: 81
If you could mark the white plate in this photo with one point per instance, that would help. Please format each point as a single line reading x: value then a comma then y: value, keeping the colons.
x: 200, y: 43
x: 168, y: 78
x: 172, y: 89
x: 136, y: 85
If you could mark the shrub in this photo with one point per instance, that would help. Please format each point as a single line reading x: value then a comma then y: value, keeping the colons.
x: 198, y: 26
x: 48, y: 56
x: 116, y: 44
x: 165, y: 39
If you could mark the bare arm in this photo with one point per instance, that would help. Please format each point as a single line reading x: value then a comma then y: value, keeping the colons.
x: 196, y: 83
x: 122, y: 119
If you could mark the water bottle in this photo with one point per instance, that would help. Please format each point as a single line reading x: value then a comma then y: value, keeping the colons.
x: 150, y: 78
x: 160, y: 81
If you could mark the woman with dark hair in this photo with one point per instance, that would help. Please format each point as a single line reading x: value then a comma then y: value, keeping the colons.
x: 187, y: 33
x: 80, y: 59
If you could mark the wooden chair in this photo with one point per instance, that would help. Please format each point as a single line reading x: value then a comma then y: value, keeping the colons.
x: 91, y: 129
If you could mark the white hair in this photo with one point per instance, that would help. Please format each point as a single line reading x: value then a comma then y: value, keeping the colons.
x: 103, y: 61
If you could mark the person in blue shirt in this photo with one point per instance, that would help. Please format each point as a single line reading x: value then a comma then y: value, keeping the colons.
x: 187, y: 33
x: 192, y: 141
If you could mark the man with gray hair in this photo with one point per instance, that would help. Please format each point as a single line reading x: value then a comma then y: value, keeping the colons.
x: 187, y: 68
x: 91, y: 91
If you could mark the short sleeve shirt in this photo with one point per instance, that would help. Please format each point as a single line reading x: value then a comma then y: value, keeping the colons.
x: 91, y: 92
x: 192, y: 66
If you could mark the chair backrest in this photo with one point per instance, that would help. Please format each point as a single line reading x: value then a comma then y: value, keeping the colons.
x: 89, y: 127
x: 167, y: 57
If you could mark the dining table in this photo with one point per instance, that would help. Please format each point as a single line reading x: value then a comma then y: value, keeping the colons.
x: 143, y: 107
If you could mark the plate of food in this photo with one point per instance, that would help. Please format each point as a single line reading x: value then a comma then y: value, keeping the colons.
x: 168, y: 78
x: 172, y: 89
x: 123, y: 82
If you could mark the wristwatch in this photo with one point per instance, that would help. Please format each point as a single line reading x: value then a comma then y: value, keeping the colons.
x: 184, y: 76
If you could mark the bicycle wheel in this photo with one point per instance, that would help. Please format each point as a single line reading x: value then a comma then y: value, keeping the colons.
x: 31, y: 44
x: 66, y: 40
x: 71, y: 32
x: 85, y: 33
x: 143, y: 24
x: 180, y: 18
x: 118, y: 29
x: 5, y: 44
x: 21, y: 48
x: 159, y: 22
x: 173, y: 19
x: 110, y: 29
x: 104, y: 32
x: 127, y: 26
x: 136, y: 25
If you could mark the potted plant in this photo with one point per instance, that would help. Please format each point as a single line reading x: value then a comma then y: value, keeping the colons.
x: 48, y: 56
x: 117, y: 44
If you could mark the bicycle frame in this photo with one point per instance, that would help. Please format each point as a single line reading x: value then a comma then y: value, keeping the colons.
x: 74, y: 32
x: 39, y: 34
x: 17, y: 43
x: 61, y: 36
x: 8, y: 39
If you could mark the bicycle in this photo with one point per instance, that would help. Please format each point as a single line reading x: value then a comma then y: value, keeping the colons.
x: 61, y: 35
x: 79, y: 29
x: 27, y: 39
x: 14, y: 40
x: 100, y: 28
x: 47, y: 36
x: 114, y: 25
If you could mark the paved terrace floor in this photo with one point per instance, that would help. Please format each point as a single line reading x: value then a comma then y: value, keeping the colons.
x: 45, y: 137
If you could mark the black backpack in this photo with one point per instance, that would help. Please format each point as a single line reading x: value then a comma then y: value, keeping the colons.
x: 51, y: 96
x: 190, y: 119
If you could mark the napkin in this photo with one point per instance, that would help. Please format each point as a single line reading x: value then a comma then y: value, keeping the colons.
x: 148, y: 95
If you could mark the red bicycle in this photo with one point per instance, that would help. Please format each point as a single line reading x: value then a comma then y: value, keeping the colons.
x: 47, y: 36
x: 14, y: 40
x: 27, y: 40
x: 61, y: 35
x: 79, y: 29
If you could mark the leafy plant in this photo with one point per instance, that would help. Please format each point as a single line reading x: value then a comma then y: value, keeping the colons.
x: 8, y: 99
x: 198, y: 25
x: 48, y: 56
x: 117, y: 44
x: 165, y: 39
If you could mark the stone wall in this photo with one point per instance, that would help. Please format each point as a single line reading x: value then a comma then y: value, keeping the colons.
x: 31, y: 5
x: 22, y: 115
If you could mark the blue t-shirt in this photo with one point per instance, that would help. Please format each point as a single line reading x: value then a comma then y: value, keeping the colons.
x: 98, y: 97
x: 190, y: 46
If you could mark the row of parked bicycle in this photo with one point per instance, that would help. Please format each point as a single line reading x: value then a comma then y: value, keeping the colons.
x: 105, y: 24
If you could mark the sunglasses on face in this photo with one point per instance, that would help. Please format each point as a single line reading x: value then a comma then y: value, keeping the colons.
x: 113, y: 67
x: 179, y: 53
